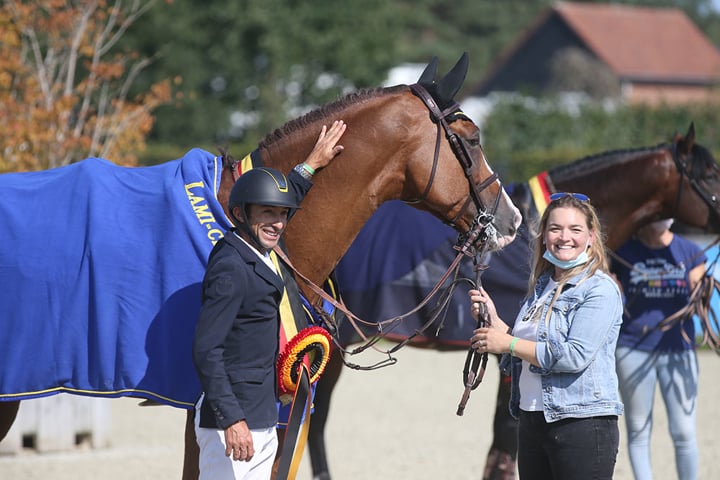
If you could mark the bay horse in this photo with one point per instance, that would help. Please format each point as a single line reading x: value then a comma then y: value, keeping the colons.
x: 628, y: 187
x: 409, y: 143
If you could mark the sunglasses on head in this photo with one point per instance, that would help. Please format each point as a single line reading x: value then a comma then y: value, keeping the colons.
x: 577, y: 196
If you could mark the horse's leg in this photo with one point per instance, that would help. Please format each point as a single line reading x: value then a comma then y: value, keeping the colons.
x: 8, y: 413
x: 191, y: 461
x: 316, y: 436
x: 500, y: 463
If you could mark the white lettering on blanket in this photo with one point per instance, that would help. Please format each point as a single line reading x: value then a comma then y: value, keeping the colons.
x: 202, y: 212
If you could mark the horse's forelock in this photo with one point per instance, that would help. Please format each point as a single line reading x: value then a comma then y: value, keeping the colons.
x: 702, y: 160
x: 325, y: 111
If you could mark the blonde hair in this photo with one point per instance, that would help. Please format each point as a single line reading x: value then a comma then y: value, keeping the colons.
x: 598, y: 259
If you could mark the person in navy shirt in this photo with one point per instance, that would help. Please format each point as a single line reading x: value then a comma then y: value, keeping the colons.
x: 657, y: 270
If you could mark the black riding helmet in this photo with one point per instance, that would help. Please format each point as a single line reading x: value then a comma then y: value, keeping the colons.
x: 262, y: 186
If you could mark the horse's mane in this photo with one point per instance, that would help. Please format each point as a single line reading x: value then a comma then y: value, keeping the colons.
x: 325, y: 111
x: 602, y: 160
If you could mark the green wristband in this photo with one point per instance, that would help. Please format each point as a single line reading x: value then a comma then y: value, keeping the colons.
x: 512, y: 345
x: 308, y: 168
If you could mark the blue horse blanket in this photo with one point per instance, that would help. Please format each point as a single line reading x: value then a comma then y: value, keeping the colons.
x: 100, y: 272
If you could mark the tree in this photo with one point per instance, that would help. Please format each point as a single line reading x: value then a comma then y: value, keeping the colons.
x: 64, y: 88
x: 248, y: 66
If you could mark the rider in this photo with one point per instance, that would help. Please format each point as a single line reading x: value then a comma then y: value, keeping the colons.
x: 237, y: 335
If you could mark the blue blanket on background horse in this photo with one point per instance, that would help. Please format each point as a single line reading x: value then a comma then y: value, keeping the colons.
x: 100, y: 272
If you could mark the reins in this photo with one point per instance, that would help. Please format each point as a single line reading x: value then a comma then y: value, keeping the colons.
x: 475, y: 363
x: 384, y: 327
x: 698, y: 304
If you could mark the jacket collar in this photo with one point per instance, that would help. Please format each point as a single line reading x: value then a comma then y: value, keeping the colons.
x: 251, y: 257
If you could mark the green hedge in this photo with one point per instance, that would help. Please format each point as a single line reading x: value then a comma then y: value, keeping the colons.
x: 525, y: 136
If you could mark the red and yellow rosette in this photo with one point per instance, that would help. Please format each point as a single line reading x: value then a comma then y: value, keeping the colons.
x: 311, y: 345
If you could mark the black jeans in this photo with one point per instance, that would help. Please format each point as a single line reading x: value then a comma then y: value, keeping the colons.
x: 570, y: 449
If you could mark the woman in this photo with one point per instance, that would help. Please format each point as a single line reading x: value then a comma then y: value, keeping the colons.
x: 561, y: 352
x: 658, y: 270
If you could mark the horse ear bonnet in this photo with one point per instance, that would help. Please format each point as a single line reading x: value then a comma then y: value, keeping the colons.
x: 445, y: 89
x: 428, y: 76
x: 262, y: 186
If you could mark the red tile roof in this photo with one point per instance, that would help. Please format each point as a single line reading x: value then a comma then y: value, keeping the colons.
x: 644, y: 42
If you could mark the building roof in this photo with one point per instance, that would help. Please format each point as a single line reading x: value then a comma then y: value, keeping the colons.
x: 643, y: 43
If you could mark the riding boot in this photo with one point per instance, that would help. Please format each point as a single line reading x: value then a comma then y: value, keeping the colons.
x: 499, y: 466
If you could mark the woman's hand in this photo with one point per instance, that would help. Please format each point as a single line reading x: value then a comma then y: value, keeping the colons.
x: 480, y: 296
x: 491, y: 340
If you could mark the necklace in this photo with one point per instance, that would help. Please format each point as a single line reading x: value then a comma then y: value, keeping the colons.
x: 533, y: 310
x: 536, y: 307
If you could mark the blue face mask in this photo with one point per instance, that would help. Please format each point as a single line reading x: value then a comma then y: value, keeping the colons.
x: 566, y: 264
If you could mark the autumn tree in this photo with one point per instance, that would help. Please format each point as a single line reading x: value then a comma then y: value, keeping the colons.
x: 65, y: 88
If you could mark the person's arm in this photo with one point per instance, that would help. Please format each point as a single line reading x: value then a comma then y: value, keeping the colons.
x: 695, y: 275
x: 223, y: 293
x: 524, y: 349
x: 326, y: 148
x: 497, y: 337
x: 586, y: 328
x: 239, y: 442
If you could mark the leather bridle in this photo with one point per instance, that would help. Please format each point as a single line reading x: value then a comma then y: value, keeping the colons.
x: 443, y: 119
x: 710, y: 199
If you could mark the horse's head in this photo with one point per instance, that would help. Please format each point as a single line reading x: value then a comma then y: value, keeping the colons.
x: 698, y: 193
x: 460, y: 174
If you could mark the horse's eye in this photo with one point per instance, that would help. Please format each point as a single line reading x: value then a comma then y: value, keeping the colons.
x: 473, y: 141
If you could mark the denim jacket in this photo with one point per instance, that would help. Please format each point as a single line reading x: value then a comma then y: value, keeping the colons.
x: 575, y: 348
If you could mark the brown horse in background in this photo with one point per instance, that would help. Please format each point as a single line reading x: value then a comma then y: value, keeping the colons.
x: 629, y: 188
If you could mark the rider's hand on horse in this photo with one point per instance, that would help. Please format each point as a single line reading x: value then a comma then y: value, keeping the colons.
x: 326, y: 147
x: 239, y: 442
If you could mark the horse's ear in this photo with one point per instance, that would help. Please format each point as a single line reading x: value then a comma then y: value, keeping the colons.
x: 428, y: 75
x: 450, y: 84
x: 686, y: 143
x: 690, y: 135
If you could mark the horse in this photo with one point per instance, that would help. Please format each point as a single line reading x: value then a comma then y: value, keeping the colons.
x: 407, y: 142
x: 370, y: 176
x: 629, y: 188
